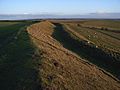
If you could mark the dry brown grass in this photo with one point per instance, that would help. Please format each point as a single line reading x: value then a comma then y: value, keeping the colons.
x: 96, y: 36
x: 60, y: 69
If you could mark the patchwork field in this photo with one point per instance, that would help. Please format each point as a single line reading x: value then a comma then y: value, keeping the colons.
x: 60, y: 55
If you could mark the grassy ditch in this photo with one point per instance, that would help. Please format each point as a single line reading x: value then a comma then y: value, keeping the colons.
x: 87, y: 51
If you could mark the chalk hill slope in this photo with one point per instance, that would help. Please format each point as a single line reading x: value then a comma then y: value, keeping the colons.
x: 61, y: 69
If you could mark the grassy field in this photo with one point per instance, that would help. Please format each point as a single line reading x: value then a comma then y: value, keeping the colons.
x: 109, y: 39
x: 59, y: 55
x: 17, y: 70
x: 111, y: 24
x: 67, y: 57
x: 101, y: 47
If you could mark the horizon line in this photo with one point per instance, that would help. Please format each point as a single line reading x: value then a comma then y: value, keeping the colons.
x: 60, y: 13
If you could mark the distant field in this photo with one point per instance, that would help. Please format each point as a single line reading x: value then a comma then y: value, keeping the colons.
x: 110, y: 24
x: 5, y: 23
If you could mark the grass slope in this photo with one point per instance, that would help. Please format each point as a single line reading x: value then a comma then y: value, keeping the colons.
x: 86, y: 50
x: 17, y: 69
x: 39, y: 57
x: 61, y: 69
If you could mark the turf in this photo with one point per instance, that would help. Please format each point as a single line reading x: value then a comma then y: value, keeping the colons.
x: 17, y: 69
x: 58, y: 55
x: 61, y: 68
x: 87, y: 51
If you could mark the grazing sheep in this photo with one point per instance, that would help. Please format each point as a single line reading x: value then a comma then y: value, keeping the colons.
x: 88, y: 42
x: 96, y: 46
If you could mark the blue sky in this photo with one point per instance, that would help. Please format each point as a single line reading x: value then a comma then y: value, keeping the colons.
x: 59, y: 6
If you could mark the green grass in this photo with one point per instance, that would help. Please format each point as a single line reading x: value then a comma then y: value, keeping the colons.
x: 18, y: 71
x: 4, y: 23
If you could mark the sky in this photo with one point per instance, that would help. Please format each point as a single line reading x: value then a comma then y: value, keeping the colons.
x: 59, y: 6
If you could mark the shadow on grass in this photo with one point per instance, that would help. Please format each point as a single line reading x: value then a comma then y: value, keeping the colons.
x: 87, y: 51
x: 18, y: 69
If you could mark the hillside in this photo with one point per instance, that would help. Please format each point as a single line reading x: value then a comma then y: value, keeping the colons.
x: 100, y: 46
x: 57, y: 55
x: 61, y: 69
x: 17, y: 69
